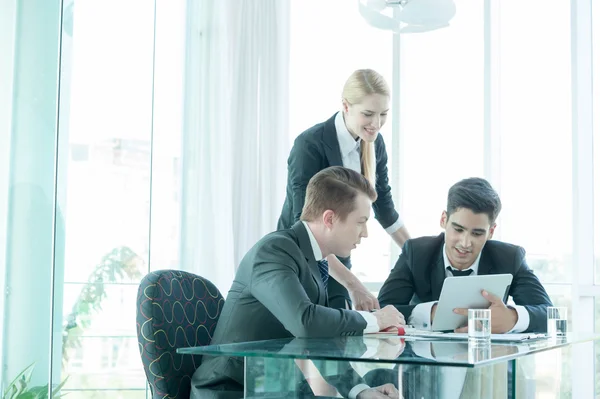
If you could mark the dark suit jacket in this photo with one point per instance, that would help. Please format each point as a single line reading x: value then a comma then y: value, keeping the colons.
x: 277, y: 293
x: 318, y: 148
x: 420, y: 271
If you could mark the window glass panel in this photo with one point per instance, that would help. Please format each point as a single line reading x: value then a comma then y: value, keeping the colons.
x: 108, y: 165
x: 535, y: 124
x: 596, y: 104
x: 104, y: 182
x: 105, y: 362
x: 441, y: 114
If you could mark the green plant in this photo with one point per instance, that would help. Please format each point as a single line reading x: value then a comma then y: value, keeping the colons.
x: 119, y: 264
x: 19, y: 387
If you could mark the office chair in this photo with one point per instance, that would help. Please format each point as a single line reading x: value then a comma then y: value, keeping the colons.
x: 175, y: 309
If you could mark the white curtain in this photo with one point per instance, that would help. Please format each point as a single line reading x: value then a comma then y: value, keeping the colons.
x: 235, y: 135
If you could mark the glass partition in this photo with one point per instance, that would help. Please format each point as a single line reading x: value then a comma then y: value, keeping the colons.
x: 34, y: 225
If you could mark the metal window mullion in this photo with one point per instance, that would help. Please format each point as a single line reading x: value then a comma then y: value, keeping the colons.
x: 397, y: 139
x: 583, y: 192
x: 491, y: 98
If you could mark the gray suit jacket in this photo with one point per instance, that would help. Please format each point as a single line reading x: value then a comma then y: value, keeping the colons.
x: 277, y: 293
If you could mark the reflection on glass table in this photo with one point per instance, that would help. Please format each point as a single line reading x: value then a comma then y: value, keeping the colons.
x: 417, y: 367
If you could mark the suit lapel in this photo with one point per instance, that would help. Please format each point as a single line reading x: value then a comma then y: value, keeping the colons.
x: 307, y: 251
x: 332, y: 146
x: 438, y: 274
x: 485, y: 263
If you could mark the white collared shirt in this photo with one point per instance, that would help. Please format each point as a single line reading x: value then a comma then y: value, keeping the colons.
x: 420, y: 316
x: 350, y: 152
x: 372, y: 325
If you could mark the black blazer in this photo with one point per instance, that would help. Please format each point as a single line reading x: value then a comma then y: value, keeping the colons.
x: 420, y: 271
x: 316, y: 149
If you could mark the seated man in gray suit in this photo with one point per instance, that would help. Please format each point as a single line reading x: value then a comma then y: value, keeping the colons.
x: 466, y: 248
x: 280, y: 288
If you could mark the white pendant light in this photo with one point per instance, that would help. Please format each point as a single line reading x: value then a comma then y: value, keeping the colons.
x: 407, y: 16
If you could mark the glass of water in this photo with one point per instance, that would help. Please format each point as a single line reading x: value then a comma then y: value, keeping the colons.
x: 480, y: 324
x: 557, y: 322
x: 479, y: 350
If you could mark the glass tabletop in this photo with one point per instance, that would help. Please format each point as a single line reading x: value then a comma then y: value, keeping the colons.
x: 391, y: 349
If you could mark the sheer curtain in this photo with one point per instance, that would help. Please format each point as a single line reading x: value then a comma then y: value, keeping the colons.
x: 235, y: 141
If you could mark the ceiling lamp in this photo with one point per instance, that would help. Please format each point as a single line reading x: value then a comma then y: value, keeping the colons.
x: 407, y: 16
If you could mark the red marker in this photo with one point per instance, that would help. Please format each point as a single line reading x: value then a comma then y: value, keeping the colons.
x: 401, y: 331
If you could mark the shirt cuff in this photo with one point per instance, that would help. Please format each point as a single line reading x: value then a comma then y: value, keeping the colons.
x: 394, y: 227
x: 522, y: 319
x: 372, y: 324
x: 420, y: 316
x: 356, y: 390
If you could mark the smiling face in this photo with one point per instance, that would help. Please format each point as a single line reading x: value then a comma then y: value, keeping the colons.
x: 344, y: 235
x: 466, y: 234
x: 365, y: 118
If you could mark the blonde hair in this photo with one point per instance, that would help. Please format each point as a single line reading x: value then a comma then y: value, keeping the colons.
x: 360, y: 84
x: 334, y: 188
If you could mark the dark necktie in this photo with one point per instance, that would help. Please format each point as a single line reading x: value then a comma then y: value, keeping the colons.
x: 460, y: 273
x: 324, y: 270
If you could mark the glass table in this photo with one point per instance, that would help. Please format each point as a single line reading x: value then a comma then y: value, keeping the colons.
x: 418, y: 367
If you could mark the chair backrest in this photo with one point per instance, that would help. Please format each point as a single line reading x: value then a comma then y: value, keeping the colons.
x: 175, y: 309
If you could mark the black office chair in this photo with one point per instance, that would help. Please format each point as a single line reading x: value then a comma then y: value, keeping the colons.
x: 175, y: 309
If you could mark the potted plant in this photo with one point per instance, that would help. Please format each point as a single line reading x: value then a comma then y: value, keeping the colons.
x: 19, y: 387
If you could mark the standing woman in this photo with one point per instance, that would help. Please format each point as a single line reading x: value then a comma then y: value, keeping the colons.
x: 350, y: 138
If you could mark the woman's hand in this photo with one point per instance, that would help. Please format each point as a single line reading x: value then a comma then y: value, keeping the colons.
x: 362, y: 299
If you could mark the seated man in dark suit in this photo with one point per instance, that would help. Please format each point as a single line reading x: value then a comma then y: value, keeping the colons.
x: 466, y: 248
x: 280, y: 288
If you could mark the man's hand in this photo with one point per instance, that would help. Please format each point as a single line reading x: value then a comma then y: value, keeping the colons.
x: 503, y: 317
x: 362, y: 299
x: 388, y: 317
x: 383, y: 391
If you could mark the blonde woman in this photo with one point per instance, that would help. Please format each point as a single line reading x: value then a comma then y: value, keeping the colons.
x: 350, y: 138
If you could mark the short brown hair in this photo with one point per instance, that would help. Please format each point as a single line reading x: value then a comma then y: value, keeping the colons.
x: 334, y: 188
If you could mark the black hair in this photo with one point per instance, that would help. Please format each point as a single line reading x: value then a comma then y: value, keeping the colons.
x: 475, y: 194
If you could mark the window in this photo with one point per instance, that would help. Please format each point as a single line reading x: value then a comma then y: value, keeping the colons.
x: 441, y: 116
x: 535, y: 123
x: 121, y: 91
x: 596, y: 137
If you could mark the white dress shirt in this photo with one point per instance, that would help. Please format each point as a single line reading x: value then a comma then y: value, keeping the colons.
x: 420, y: 317
x: 372, y: 325
x: 350, y: 152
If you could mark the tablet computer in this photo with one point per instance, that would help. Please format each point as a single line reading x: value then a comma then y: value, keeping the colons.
x: 465, y: 292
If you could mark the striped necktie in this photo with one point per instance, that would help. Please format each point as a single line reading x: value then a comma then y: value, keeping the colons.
x: 324, y: 270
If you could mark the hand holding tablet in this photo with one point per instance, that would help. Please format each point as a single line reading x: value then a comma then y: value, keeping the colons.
x: 466, y: 293
x: 503, y: 318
